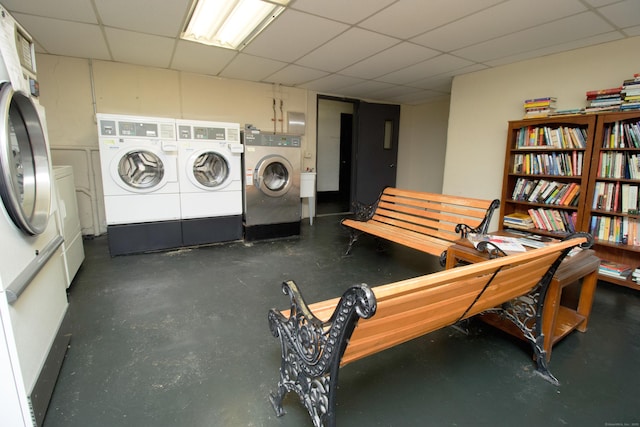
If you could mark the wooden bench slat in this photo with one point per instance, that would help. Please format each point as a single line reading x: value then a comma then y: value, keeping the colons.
x: 421, y: 216
x: 430, y: 206
x: 437, y: 219
x: 444, y: 198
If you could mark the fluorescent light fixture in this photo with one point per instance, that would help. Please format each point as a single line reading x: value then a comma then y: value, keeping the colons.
x: 231, y: 24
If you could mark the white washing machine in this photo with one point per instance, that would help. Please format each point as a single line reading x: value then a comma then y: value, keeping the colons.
x: 33, y: 301
x: 139, y: 158
x: 272, y: 185
x: 210, y: 172
x: 69, y: 221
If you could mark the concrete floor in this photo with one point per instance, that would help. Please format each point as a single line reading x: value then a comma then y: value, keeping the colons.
x: 181, y: 339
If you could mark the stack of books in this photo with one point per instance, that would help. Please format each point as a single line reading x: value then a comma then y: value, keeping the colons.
x: 539, y: 107
x: 615, y: 269
x: 604, y: 100
x: 631, y: 93
x: 518, y: 220
x: 635, y: 276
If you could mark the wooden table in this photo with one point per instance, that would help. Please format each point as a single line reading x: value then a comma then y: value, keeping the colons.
x: 558, y: 320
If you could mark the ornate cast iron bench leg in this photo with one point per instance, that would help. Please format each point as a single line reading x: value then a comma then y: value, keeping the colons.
x: 353, y: 237
x: 312, y: 349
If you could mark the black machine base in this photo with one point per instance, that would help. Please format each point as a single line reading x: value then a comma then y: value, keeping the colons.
x: 271, y: 231
x: 127, y: 239
x: 201, y: 231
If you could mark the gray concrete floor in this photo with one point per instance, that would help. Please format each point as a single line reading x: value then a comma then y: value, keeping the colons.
x: 181, y: 339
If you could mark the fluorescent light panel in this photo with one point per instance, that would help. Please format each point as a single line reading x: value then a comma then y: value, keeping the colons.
x: 231, y: 24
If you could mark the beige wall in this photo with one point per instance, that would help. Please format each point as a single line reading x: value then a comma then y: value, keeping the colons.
x: 421, y: 152
x: 72, y: 90
x: 483, y: 102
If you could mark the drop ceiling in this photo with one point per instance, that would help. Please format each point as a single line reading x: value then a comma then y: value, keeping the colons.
x: 400, y: 51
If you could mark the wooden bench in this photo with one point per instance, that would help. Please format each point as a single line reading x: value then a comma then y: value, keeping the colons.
x: 316, y: 340
x: 427, y: 222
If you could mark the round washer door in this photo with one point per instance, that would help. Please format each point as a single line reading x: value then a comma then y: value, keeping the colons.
x: 273, y: 176
x: 139, y: 170
x: 25, y: 173
x: 209, y: 170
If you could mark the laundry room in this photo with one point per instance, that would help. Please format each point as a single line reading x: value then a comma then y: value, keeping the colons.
x: 188, y: 201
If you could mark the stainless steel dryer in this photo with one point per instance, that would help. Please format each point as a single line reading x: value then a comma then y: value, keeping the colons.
x: 272, y: 185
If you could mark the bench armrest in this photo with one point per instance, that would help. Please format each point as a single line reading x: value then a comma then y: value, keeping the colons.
x: 464, y: 229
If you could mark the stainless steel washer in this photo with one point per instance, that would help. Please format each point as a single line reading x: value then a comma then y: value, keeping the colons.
x: 272, y: 185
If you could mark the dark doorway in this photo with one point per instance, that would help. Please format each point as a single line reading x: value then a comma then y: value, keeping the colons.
x: 365, y: 161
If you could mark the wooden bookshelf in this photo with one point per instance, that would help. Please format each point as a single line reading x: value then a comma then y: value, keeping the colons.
x: 588, y: 207
x: 554, y: 145
x: 613, y: 146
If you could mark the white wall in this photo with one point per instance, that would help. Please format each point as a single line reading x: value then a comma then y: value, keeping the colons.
x: 483, y: 102
x: 422, y: 147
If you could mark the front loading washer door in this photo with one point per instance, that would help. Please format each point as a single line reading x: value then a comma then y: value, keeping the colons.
x: 140, y: 170
x: 25, y: 173
x: 209, y: 170
x: 273, y: 176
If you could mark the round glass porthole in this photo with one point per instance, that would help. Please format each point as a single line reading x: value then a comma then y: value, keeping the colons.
x: 25, y: 179
x: 210, y: 170
x: 141, y: 169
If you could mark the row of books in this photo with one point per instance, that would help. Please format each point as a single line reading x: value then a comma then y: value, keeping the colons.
x: 617, y: 229
x: 616, y: 197
x: 602, y: 100
x: 622, y: 135
x: 619, y: 165
x: 635, y: 276
x: 539, y: 107
x: 554, y: 220
x: 625, y: 97
x: 631, y: 93
x: 518, y: 220
x: 546, y: 192
x: 547, y: 137
x: 558, y: 164
x: 615, y: 269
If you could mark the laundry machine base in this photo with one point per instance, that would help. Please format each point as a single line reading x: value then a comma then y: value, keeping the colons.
x: 43, y: 388
x: 201, y: 231
x: 127, y: 239
x: 271, y: 231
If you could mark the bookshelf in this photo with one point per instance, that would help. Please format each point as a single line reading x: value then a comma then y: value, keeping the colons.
x: 546, y: 172
x: 614, y: 180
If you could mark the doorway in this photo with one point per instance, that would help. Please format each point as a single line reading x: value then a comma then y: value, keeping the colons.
x: 356, y: 154
x: 334, y: 155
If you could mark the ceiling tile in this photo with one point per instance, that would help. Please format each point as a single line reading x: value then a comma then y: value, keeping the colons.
x: 623, y: 14
x: 351, y: 11
x: 632, y: 31
x: 199, y: 58
x: 419, y: 97
x: 293, y: 75
x: 550, y: 50
x: 141, y: 49
x: 331, y: 83
x: 70, y: 10
x: 419, y: 16
x: 252, y: 68
x: 293, y: 35
x: 431, y: 67
x: 392, y: 59
x: 364, y: 89
x: 565, y: 30
x: 346, y: 49
x: 66, y: 38
x: 163, y: 18
x: 482, y: 25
